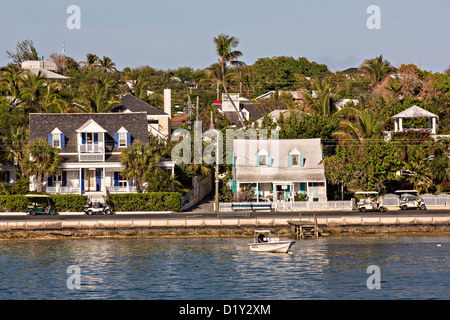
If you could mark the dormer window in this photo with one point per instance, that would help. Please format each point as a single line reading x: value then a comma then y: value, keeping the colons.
x: 122, y: 138
x: 295, y: 159
x: 56, y: 139
x: 263, y: 158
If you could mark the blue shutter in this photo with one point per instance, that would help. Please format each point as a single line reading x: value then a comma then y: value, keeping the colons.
x: 301, y: 160
x: 98, y: 179
x: 232, y: 160
x: 50, y: 139
x: 63, y: 140
x: 83, y: 138
x: 116, y: 179
x: 116, y: 139
x: 64, y: 178
x: 50, y: 181
x: 269, y: 160
x: 257, y: 161
x: 128, y: 139
x: 289, y: 160
x: 82, y: 179
x: 95, y: 138
x: 233, y: 186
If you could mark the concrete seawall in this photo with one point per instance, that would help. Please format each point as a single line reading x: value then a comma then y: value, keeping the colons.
x: 142, y: 228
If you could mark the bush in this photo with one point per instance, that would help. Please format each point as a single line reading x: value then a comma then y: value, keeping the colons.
x: 151, y: 201
x: 63, y: 202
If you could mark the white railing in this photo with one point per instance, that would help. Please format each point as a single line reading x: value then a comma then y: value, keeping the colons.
x: 91, y: 148
x: 63, y: 190
x: 92, y: 156
x: 116, y: 189
x: 442, y: 200
x: 290, y: 206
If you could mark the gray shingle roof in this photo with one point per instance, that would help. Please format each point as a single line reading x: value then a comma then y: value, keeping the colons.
x: 41, y: 124
x: 247, y: 171
x: 134, y: 104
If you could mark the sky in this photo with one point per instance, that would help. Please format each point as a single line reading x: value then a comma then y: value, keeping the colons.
x: 176, y: 33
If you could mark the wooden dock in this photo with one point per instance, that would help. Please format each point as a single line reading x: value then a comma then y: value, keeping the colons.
x: 305, y: 228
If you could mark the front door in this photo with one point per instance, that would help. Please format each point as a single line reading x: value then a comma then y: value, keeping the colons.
x: 90, y: 180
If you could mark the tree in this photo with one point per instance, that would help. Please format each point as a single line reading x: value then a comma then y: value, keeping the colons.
x: 360, y: 124
x: 41, y: 160
x: 377, y: 69
x: 105, y: 64
x: 14, y: 141
x: 33, y: 86
x: 90, y: 64
x: 323, y: 99
x: 11, y: 83
x: 140, y: 162
x: 225, y: 46
x: 25, y: 51
x: 96, y: 98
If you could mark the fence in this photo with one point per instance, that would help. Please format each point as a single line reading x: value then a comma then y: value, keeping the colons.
x: 297, y: 205
x: 441, y: 200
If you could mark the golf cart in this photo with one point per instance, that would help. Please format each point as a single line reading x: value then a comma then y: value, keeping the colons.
x: 41, y: 205
x: 410, y: 199
x: 367, y: 203
x: 97, y: 208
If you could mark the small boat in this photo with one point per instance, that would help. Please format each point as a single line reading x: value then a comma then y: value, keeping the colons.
x: 263, y: 241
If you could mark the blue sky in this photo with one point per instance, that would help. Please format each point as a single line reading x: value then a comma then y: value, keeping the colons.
x: 174, y: 33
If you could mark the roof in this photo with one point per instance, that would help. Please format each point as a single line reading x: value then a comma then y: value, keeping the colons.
x: 47, y: 74
x: 179, y: 120
x: 130, y: 102
x: 255, y: 110
x: 41, y: 124
x: 415, y: 112
x: 246, y: 170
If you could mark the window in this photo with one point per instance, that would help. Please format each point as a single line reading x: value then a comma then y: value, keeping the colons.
x: 295, y: 159
x: 122, y: 139
x: 262, y: 160
x: 122, y: 181
x: 57, y: 178
x: 56, y: 140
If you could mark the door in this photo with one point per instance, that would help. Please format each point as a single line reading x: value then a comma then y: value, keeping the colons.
x: 90, y: 180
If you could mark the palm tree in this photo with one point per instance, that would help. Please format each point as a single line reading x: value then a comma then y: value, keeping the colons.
x: 10, y: 82
x: 41, y: 160
x: 416, y: 169
x: 163, y: 181
x: 14, y: 141
x: 97, y: 98
x: 215, y: 70
x: 138, y: 84
x: 91, y: 62
x: 105, y: 64
x: 225, y: 46
x: 323, y: 99
x: 140, y: 162
x: 377, y: 69
x: 33, y: 86
x: 360, y: 124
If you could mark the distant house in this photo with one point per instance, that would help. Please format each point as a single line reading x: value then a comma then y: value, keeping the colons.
x: 248, y: 110
x: 90, y: 145
x: 280, y: 169
x: 158, y: 121
x: 44, y: 68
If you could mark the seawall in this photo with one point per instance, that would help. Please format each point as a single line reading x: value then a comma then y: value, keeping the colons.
x: 214, y: 227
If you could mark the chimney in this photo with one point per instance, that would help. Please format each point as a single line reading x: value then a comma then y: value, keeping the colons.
x: 167, y: 102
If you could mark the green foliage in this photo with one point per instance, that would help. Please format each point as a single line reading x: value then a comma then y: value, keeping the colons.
x: 152, y: 201
x: 19, y: 203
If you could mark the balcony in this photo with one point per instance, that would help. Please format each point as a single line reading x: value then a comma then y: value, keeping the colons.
x: 91, y: 152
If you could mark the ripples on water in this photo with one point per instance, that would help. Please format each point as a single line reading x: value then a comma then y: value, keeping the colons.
x: 324, y: 268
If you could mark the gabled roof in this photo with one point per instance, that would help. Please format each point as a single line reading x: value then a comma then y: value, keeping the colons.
x: 415, y: 112
x: 130, y: 102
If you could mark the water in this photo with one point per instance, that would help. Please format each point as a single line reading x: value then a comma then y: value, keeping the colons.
x: 205, y: 269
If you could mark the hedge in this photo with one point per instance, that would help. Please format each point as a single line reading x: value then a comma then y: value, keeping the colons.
x: 151, y: 201
x: 63, y: 202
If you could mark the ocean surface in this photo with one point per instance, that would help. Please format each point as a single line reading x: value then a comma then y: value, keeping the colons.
x: 384, y: 267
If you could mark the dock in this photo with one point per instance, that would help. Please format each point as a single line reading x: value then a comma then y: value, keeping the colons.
x: 305, y: 228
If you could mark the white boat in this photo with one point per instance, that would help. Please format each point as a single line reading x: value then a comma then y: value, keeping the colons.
x: 263, y: 241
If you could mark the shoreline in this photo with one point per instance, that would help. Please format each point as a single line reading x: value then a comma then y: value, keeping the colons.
x: 216, y: 227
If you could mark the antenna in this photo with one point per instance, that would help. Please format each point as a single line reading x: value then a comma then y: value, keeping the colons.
x: 64, y: 47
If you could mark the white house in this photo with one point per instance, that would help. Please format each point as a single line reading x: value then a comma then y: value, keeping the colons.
x: 280, y: 169
x: 90, y: 145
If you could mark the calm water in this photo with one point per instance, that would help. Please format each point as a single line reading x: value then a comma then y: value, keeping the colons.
x: 325, y: 268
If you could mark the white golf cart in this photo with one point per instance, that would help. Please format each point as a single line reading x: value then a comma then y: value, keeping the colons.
x: 410, y: 199
x: 367, y: 203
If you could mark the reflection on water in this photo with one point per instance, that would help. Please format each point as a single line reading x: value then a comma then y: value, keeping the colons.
x: 324, y: 268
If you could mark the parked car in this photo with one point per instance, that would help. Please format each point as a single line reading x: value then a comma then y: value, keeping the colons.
x: 41, y: 205
x: 410, y: 199
x: 367, y: 203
